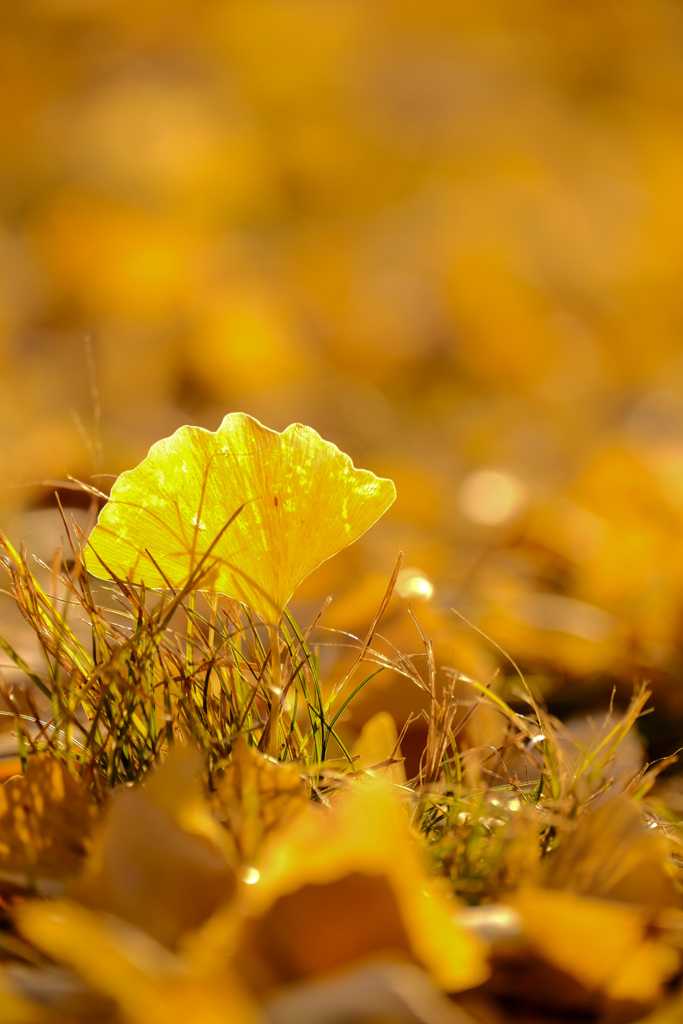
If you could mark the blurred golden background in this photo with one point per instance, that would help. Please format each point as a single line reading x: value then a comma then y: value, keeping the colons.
x: 449, y: 236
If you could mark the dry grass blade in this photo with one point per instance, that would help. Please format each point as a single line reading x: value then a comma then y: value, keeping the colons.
x: 373, y: 627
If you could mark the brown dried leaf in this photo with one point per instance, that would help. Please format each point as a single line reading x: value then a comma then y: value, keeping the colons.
x: 46, y: 823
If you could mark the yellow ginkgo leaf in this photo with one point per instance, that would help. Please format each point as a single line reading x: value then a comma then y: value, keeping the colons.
x: 585, y: 951
x: 255, y: 795
x: 294, y: 501
x: 340, y: 885
x: 377, y: 750
x: 148, y: 984
x: 612, y: 853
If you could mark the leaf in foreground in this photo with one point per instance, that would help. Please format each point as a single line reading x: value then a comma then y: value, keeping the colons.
x: 255, y: 795
x: 158, y: 861
x: 148, y: 983
x: 297, y: 500
x: 46, y: 821
x: 598, y: 952
x: 342, y: 884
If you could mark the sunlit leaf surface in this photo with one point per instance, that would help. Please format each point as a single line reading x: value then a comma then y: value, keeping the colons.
x: 349, y: 882
x: 377, y: 750
x: 613, y: 854
x: 603, y: 945
x: 148, y: 983
x: 256, y: 795
x: 297, y: 500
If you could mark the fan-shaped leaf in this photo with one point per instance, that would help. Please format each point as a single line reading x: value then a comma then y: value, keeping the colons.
x: 300, y: 500
x: 348, y: 881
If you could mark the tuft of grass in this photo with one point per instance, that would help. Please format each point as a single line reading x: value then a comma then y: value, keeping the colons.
x: 530, y: 792
x: 127, y: 673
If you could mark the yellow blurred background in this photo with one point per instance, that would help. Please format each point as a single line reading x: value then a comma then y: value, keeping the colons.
x: 448, y: 235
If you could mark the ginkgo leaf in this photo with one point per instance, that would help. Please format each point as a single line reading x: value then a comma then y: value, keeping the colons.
x: 376, y: 750
x: 582, y: 951
x: 149, y: 984
x: 294, y: 501
x: 339, y: 885
x: 46, y: 823
x: 255, y: 795
x: 612, y: 853
x: 158, y: 860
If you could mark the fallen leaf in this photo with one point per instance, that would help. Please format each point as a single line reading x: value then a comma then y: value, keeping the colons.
x: 348, y: 882
x: 377, y: 750
x: 577, y: 951
x: 256, y: 794
x: 158, y: 861
x: 297, y: 500
x: 611, y: 853
x: 149, y: 984
x: 46, y: 822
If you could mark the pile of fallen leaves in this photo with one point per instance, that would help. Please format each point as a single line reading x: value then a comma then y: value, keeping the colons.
x: 192, y: 830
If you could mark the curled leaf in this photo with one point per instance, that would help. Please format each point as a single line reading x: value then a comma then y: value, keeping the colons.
x: 250, y: 511
x: 349, y: 882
